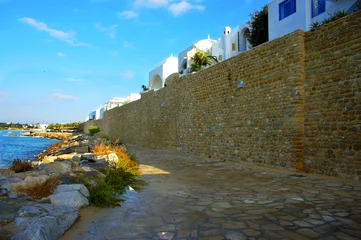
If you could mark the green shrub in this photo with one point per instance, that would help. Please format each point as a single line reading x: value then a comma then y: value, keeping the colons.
x: 333, y: 17
x: 93, y: 130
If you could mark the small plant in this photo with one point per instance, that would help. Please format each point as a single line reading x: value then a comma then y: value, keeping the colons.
x: 333, y: 17
x: 93, y: 130
x: 41, y: 190
x: 145, y: 88
x: 21, y: 166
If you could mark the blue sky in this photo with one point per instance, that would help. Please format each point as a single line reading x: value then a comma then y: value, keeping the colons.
x: 60, y: 59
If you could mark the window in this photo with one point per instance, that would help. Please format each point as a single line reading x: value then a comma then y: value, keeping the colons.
x: 318, y: 7
x: 287, y: 8
x: 233, y: 47
x: 220, y: 58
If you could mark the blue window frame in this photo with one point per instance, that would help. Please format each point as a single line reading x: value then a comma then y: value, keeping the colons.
x: 287, y: 8
x: 318, y: 7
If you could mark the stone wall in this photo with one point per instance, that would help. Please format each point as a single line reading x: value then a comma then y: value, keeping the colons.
x: 285, y: 115
x: 333, y: 98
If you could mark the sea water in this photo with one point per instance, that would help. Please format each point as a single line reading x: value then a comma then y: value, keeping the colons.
x: 20, y: 147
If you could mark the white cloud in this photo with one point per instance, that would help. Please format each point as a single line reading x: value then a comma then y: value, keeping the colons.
x: 128, y: 75
x: 175, y: 7
x: 114, y: 53
x: 60, y: 54
x: 151, y: 3
x: 127, y: 14
x: 62, y: 97
x: 111, y: 31
x: 182, y: 7
x: 68, y: 37
x: 128, y: 45
x: 73, y: 80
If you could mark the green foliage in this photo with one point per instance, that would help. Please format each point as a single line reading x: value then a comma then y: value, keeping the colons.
x: 63, y: 126
x: 93, y: 130
x: 104, y: 191
x: 200, y: 59
x: 144, y: 88
x: 259, y: 27
x: 333, y: 17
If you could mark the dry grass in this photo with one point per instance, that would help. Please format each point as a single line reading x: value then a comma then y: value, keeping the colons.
x: 50, y: 150
x: 42, y: 190
x: 21, y: 166
x: 126, y: 162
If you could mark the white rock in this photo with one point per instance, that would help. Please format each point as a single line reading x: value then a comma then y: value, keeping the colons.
x: 49, y: 159
x: 71, y: 199
x: 111, y: 158
x: 72, y: 187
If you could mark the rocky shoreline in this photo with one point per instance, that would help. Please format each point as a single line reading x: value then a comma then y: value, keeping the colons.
x: 22, y: 216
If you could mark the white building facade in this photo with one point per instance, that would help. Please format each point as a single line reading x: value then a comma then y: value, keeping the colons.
x: 164, y: 73
x: 286, y: 16
x: 230, y: 44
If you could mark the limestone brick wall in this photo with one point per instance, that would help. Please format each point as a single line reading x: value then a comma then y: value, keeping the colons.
x: 300, y: 106
x: 333, y: 98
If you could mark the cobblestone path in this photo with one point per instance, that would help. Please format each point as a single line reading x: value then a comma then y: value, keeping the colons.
x: 197, y: 198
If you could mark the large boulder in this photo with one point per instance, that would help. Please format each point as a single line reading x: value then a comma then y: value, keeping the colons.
x: 65, y: 157
x: 29, y: 181
x: 44, y: 221
x: 72, y: 187
x: 58, y: 167
x: 88, y: 156
x: 82, y: 149
x: 49, y: 159
x: 111, y: 158
x: 76, y: 158
x: 5, y: 172
x: 71, y: 199
x: 34, y: 173
x: 5, y: 185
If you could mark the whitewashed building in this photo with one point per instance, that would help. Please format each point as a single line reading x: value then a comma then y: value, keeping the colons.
x: 164, y: 73
x: 230, y: 44
x: 286, y: 16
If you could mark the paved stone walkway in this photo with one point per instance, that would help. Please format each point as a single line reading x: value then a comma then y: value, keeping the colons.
x: 195, y: 198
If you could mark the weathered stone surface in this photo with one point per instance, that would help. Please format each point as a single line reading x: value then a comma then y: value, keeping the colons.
x: 5, y: 172
x: 8, y: 212
x: 76, y: 158
x: 66, y: 157
x: 72, y: 187
x: 29, y: 181
x: 111, y: 158
x: 44, y: 221
x: 49, y: 159
x: 88, y: 156
x: 306, y: 96
x: 71, y: 199
x: 58, y: 167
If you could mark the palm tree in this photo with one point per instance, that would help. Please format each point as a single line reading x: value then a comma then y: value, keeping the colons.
x: 200, y: 59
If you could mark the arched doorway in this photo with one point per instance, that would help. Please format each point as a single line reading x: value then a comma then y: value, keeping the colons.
x: 243, y: 43
x: 156, y: 83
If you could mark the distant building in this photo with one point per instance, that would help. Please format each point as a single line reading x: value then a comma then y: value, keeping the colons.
x: 286, y: 16
x: 43, y: 126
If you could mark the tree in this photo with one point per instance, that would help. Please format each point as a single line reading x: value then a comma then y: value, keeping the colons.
x: 259, y: 27
x: 145, y: 88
